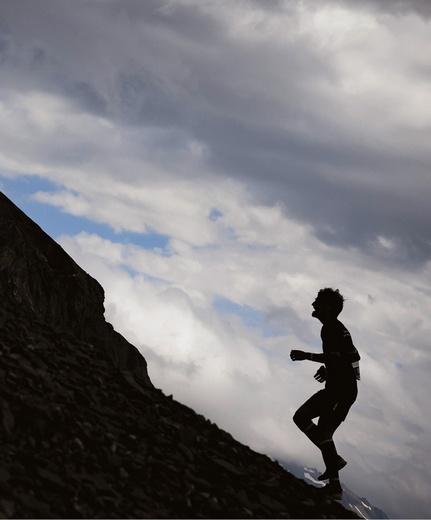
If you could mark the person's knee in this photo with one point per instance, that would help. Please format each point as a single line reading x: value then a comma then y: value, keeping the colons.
x: 327, y: 429
x: 301, y: 419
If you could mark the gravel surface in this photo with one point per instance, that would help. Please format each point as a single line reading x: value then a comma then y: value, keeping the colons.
x: 81, y: 439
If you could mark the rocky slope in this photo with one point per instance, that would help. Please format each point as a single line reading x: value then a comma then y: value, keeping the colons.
x: 84, y: 435
x: 351, y: 500
x: 36, y: 273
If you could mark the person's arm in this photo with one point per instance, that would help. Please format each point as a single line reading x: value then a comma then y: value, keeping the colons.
x: 320, y: 375
x: 345, y: 350
x: 350, y: 353
x: 299, y: 355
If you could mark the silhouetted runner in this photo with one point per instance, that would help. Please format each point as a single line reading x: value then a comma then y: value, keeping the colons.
x: 340, y: 370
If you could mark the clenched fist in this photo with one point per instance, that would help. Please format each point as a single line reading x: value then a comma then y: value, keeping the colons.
x: 297, y: 355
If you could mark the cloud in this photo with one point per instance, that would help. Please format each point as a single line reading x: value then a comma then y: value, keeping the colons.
x: 274, y: 148
x: 397, y: 8
x: 316, y: 107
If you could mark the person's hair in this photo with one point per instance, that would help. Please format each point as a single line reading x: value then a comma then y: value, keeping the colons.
x: 333, y: 298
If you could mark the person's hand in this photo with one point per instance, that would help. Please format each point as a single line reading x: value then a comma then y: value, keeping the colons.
x: 297, y: 355
x: 320, y: 375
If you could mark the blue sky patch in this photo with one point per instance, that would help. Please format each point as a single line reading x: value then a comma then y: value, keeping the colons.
x: 251, y: 317
x: 215, y: 214
x: 56, y: 222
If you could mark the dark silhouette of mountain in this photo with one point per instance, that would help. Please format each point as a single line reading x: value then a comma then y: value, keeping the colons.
x: 84, y: 433
x: 37, y: 274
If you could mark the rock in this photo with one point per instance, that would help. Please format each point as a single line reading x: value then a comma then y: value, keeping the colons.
x: 37, y: 273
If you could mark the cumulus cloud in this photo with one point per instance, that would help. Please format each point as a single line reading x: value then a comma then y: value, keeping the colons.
x: 277, y: 147
x: 335, y: 98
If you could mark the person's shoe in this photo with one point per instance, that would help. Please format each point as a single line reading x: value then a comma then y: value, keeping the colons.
x: 333, y: 491
x: 334, y: 469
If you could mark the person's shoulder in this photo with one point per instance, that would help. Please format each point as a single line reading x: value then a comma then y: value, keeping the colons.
x: 341, y: 325
x: 334, y: 325
x: 344, y: 332
x: 335, y: 328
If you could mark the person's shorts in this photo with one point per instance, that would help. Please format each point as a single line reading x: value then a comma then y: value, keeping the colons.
x: 329, y: 407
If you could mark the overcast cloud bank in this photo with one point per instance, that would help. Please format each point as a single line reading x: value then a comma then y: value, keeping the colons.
x: 268, y: 149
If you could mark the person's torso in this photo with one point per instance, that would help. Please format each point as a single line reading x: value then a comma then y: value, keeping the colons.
x: 340, y: 353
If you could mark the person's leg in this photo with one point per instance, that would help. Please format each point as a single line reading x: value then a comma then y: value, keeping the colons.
x: 321, y: 436
x: 333, y: 414
x: 319, y: 405
x: 331, y: 458
x: 322, y: 405
x: 303, y: 417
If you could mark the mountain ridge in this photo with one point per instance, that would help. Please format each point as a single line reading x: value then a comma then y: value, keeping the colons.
x: 37, y: 273
x: 351, y: 500
x: 84, y: 432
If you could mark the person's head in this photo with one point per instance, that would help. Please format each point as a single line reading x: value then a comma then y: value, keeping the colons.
x: 328, y: 304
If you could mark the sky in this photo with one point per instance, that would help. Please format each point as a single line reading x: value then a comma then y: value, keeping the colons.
x: 213, y: 164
